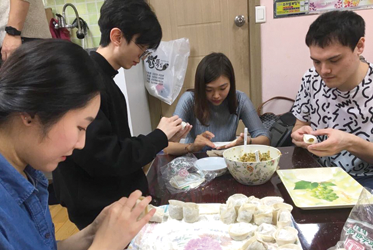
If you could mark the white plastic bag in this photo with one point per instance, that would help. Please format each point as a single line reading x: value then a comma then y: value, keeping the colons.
x: 181, y: 175
x: 165, y: 69
x: 357, y: 233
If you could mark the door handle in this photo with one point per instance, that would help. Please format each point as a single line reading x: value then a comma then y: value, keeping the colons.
x: 239, y: 20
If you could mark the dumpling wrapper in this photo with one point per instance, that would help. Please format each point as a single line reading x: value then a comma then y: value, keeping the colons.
x: 183, y: 124
x: 309, y: 139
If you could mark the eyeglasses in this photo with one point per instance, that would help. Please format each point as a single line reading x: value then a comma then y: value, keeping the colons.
x: 146, y: 52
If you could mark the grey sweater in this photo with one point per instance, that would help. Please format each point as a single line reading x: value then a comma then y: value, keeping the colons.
x: 222, y: 124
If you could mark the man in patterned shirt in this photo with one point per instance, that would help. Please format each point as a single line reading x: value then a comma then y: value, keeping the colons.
x: 335, y: 100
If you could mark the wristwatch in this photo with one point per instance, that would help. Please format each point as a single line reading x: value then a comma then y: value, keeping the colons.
x: 12, y: 31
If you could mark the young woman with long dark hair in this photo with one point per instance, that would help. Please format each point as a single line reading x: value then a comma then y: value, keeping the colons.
x: 213, y: 109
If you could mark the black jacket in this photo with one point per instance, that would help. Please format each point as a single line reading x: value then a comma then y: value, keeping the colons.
x: 110, y: 165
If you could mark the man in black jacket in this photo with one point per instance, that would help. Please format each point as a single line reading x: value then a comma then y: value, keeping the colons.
x: 110, y: 165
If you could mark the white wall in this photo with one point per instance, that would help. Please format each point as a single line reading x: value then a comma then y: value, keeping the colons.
x: 285, y: 56
x: 131, y: 82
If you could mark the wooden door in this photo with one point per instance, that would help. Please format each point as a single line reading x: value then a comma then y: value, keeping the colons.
x: 209, y: 26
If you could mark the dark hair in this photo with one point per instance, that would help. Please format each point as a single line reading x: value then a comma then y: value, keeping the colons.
x: 208, y: 70
x: 345, y: 27
x: 131, y: 17
x: 47, y: 78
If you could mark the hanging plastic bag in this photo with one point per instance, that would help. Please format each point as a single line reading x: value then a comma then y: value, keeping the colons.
x: 165, y: 69
x: 357, y: 233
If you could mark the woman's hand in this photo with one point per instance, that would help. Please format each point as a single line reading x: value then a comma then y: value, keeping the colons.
x: 118, y: 223
x: 201, y: 141
x: 236, y: 142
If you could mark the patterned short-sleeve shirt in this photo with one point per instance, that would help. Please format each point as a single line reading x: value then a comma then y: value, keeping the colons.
x: 350, y: 111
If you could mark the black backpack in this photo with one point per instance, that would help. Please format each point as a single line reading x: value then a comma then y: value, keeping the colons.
x: 281, y: 130
x: 279, y: 126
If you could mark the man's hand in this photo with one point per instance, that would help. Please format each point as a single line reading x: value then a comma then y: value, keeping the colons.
x: 10, y: 44
x: 337, y: 141
x: 182, y: 133
x: 170, y: 126
x: 298, y: 134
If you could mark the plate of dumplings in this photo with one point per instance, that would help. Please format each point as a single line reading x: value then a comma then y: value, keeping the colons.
x: 242, y: 223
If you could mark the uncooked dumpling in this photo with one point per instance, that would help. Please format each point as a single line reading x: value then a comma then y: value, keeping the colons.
x: 246, y: 212
x: 145, y: 211
x: 271, y: 200
x: 289, y: 247
x: 286, y: 235
x: 254, y: 244
x: 237, y: 200
x: 159, y: 213
x: 228, y: 214
x: 190, y: 212
x: 265, y: 232
x: 253, y: 200
x: 175, y: 209
x: 263, y: 214
x: 283, y: 218
x: 240, y: 231
x: 280, y: 206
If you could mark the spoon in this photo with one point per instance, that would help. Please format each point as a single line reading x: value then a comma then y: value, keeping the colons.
x: 245, y: 140
x: 256, y: 156
x: 245, y: 137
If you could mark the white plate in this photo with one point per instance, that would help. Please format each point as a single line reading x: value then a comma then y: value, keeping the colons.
x: 216, y: 164
x: 221, y: 143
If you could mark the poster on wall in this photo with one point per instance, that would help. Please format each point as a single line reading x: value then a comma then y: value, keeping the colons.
x: 357, y: 3
x: 285, y: 8
x: 324, y: 5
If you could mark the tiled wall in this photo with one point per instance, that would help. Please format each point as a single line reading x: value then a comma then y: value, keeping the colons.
x: 88, y: 10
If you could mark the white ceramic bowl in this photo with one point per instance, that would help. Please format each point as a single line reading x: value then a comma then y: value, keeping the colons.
x: 214, y: 164
x: 251, y: 173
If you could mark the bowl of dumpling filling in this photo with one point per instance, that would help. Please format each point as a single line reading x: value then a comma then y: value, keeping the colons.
x: 252, y: 164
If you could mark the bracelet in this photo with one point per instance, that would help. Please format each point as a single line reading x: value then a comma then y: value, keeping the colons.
x: 12, y: 31
x: 250, y: 142
x: 186, y: 148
